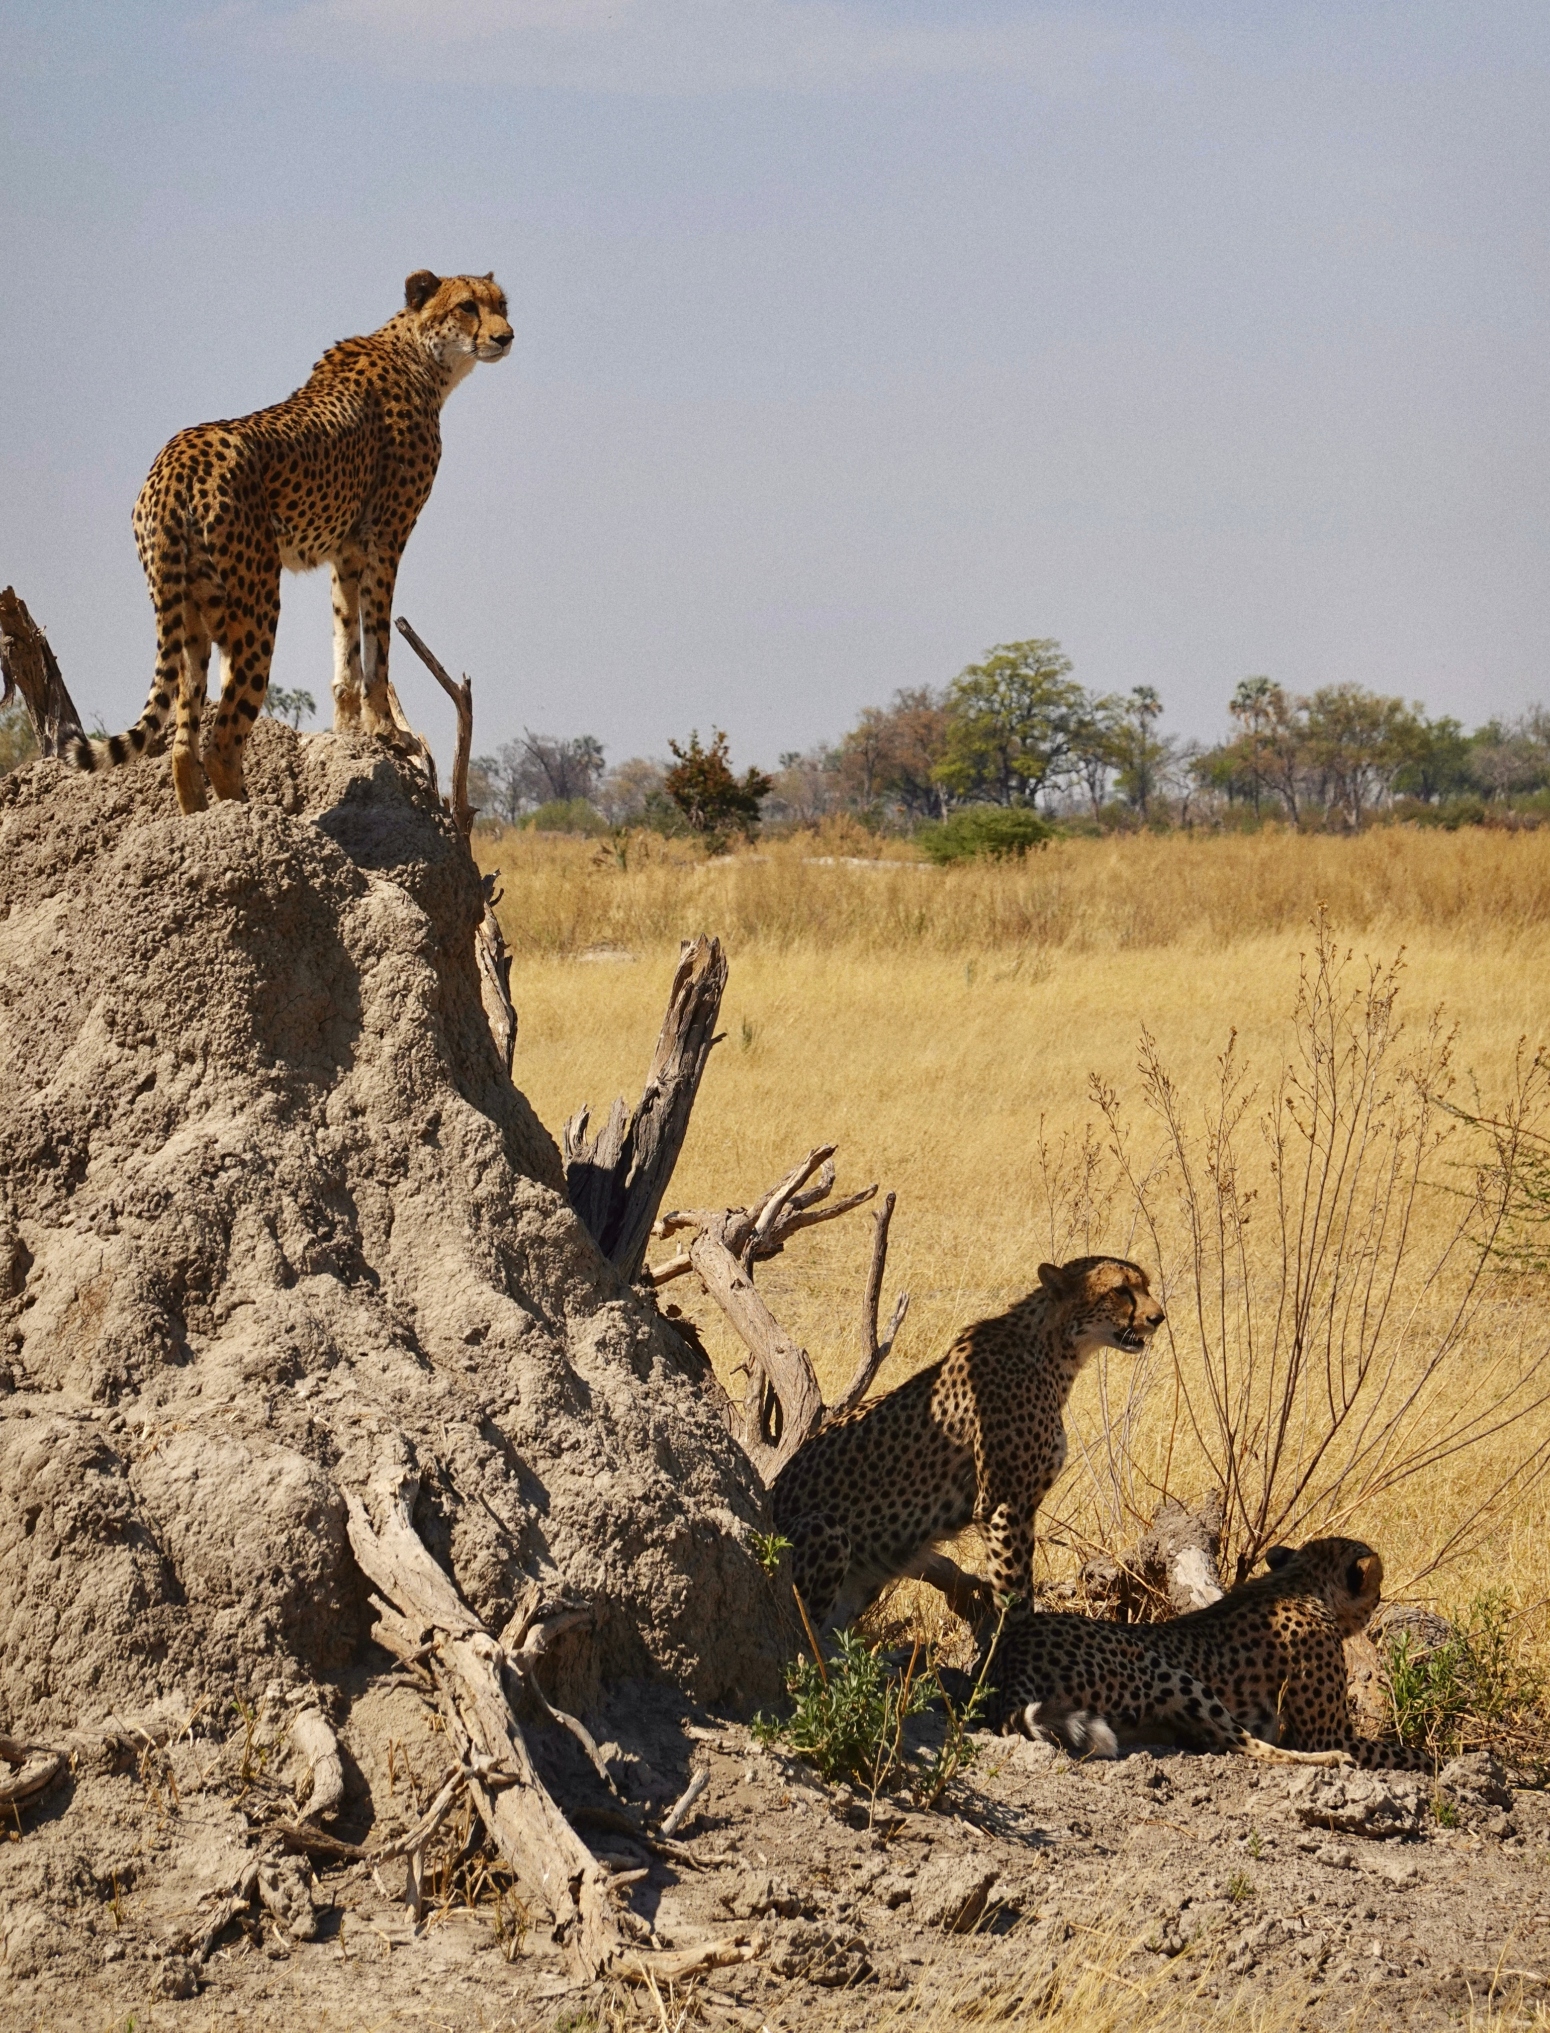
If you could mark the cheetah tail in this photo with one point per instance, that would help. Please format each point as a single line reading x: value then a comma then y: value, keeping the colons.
x: 146, y: 737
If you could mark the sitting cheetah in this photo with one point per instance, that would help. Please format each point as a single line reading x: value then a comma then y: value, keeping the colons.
x: 1262, y: 1671
x: 338, y: 472
x: 975, y: 1439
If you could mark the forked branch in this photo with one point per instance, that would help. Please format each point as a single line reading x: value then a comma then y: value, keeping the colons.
x: 783, y: 1404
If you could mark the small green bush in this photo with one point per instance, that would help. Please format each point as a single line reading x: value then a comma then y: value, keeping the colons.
x: 991, y: 832
x: 847, y: 1718
x: 1470, y: 1690
x: 567, y: 815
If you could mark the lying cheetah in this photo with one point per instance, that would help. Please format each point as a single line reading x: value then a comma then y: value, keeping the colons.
x: 336, y: 473
x: 976, y: 1438
x: 1261, y: 1672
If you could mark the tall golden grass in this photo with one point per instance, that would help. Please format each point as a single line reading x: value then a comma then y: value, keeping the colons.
x: 843, y: 890
x: 972, y: 1038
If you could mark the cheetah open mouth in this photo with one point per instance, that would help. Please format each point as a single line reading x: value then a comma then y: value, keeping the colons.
x: 1128, y: 1339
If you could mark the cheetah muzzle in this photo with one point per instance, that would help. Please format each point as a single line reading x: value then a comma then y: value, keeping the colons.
x: 336, y: 474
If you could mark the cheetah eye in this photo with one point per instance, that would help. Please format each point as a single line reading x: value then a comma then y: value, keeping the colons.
x: 471, y: 307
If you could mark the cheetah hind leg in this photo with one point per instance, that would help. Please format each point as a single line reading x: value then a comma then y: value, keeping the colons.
x: 1178, y: 1697
x: 1082, y: 1731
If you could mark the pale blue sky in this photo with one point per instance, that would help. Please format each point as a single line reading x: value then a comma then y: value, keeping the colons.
x: 853, y: 336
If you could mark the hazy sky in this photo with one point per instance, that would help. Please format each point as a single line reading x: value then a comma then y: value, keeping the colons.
x: 853, y: 336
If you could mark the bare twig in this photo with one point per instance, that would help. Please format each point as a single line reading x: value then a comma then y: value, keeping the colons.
x: 874, y: 1353
x: 462, y: 697
x: 684, y: 1804
x: 490, y: 948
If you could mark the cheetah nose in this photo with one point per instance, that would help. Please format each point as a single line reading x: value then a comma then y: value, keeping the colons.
x: 503, y: 338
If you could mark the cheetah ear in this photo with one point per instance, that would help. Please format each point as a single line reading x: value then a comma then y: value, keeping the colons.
x: 1276, y: 1557
x: 1055, y: 1281
x: 420, y: 288
x: 1370, y: 1568
x: 489, y: 275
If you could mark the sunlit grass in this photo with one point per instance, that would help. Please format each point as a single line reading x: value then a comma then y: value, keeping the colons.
x: 937, y: 1024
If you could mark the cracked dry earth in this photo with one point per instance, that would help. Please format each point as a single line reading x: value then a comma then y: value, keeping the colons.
x: 1202, y: 1878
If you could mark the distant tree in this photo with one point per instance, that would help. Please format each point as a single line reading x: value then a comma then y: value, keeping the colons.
x: 1011, y: 721
x: 1142, y: 755
x: 627, y: 790
x: 713, y: 801
x: 808, y: 785
x: 1355, y: 741
x: 1508, y: 761
x: 1436, y: 761
x: 292, y: 707
x: 1268, y: 752
x: 1095, y: 746
x: 538, y: 770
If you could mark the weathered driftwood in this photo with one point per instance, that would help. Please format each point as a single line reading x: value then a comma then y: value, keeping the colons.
x: 422, y: 1618
x: 319, y: 1750
x: 422, y: 1609
x: 782, y: 1405
x: 617, y: 1178
x: 1173, y: 1568
x: 490, y: 949
x: 30, y: 667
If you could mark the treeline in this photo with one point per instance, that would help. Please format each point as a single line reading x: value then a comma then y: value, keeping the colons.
x: 1017, y: 731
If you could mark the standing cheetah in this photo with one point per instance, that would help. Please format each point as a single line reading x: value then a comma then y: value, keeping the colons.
x: 975, y: 1439
x: 1262, y: 1671
x: 337, y: 473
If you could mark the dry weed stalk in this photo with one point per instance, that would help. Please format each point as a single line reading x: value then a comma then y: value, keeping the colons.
x: 1328, y: 1344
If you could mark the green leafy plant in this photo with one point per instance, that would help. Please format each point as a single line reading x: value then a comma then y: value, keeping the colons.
x: 990, y: 832
x: 1240, y: 1887
x: 768, y: 1547
x: 1473, y: 1688
x: 847, y: 1717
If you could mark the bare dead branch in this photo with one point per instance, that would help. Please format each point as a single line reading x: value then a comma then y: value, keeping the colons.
x: 873, y: 1352
x: 525, y: 1824
x: 616, y: 1181
x: 462, y: 697
x: 29, y: 666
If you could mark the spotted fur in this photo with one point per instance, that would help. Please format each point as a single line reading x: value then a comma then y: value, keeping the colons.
x: 1261, y: 1672
x: 335, y: 474
x: 975, y: 1439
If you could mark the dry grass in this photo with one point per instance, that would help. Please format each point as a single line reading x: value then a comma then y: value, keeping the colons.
x: 944, y: 1026
x: 845, y: 891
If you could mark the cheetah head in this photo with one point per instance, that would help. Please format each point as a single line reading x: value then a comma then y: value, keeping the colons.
x: 1346, y: 1572
x: 460, y: 319
x: 1106, y: 1303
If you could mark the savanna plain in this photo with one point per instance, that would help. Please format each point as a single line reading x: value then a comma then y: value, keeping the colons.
x: 1295, y: 1077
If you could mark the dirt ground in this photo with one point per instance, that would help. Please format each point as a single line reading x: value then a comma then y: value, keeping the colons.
x: 1182, y: 1874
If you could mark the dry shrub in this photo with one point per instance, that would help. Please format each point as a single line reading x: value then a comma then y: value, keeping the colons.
x: 1331, y: 1245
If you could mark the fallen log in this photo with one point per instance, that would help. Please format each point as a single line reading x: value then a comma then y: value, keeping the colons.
x: 423, y: 1609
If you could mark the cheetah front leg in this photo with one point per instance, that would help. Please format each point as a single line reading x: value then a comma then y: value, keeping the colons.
x: 1009, y: 1539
